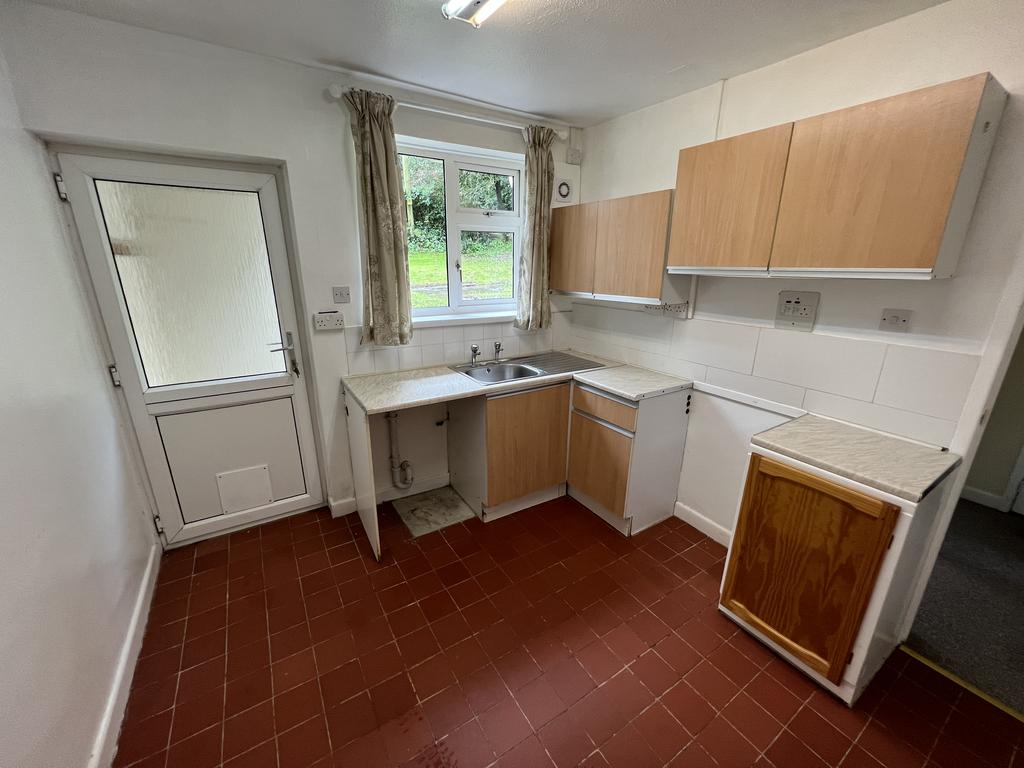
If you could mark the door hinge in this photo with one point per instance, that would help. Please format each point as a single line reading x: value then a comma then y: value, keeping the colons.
x: 62, y: 189
x: 115, y: 377
x: 158, y: 525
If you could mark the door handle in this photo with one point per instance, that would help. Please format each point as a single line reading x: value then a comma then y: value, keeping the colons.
x: 289, y: 347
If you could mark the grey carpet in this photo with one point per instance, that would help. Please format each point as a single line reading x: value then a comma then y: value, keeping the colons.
x: 971, y: 620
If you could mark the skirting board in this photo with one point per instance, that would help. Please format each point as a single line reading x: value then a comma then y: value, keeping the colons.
x: 342, y: 507
x: 109, y: 729
x: 703, y: 524
x: 986, y: 498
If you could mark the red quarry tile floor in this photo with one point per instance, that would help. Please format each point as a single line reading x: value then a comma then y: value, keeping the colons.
x: 540, y: 639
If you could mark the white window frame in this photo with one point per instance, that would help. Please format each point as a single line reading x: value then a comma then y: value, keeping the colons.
x: 459, y: 219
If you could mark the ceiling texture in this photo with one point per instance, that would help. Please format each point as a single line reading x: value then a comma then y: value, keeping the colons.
x: 578, y: 61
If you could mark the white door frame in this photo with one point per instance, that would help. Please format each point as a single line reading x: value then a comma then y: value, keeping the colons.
x: 145, y: 403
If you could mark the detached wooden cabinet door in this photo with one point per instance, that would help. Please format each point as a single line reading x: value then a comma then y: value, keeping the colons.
x: 527, y: 435
x: 572, y: 247
x: 727, y: 200
x: 599, y: 459
x: 870, y: 187
x: 803, y: 562
x: 631, y: 236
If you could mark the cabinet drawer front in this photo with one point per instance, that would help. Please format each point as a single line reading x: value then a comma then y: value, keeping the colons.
x: 619, y: 414
x: 599, y: 462
x: 804, y: 560
x: 526, y: 442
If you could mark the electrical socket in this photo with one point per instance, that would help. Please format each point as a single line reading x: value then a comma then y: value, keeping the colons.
x: 897, y: 320
x: 797, y: 310
x: 330, y: 320
x: 342, y: 294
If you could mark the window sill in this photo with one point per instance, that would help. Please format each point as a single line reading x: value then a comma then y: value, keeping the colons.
x: 463, y: 318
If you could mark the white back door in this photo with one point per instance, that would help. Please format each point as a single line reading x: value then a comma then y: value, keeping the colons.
x: 190, y: 269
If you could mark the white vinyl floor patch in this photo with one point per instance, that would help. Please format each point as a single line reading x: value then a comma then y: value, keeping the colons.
x: 432, y: 510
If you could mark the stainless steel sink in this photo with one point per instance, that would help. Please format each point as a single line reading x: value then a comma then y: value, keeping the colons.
x: 495, y: 373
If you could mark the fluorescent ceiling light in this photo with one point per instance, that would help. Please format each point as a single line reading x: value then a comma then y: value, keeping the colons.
x: 475, y: 12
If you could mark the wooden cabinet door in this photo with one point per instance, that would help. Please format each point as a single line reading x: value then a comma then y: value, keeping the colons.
x: 727, y: 200
x: 631, y: 236
x: 572, y: 247
x: 526, y: 442
x: 870, y: 187
x: 599, y: 462
x: 803, y: 562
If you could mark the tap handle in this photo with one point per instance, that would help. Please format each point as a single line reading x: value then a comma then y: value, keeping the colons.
x: 474, y: 348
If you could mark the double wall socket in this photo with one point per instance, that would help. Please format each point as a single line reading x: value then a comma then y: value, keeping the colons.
x: 797, y: 310
x: 330, y: 320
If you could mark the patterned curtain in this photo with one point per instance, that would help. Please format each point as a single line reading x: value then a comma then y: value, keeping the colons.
x: 387, y: 299
x: 533, y: 305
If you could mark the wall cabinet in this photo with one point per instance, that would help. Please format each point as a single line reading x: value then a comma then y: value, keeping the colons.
x: 572, y: 247
x: 727, y: 200
x: 625, y: 456
x: 884, y: 189
x: 613, y: 248
x: 803, y: 562
x: 507, y: 452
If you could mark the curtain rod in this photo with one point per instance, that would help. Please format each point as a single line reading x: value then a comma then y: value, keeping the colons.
x: 337, y: 91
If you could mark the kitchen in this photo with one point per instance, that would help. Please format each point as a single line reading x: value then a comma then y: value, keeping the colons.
x: 705, y: 332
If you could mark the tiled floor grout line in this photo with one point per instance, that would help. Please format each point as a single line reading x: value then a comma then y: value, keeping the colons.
x: 639, y: 585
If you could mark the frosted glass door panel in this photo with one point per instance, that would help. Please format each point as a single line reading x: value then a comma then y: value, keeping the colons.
x: 195, y: 275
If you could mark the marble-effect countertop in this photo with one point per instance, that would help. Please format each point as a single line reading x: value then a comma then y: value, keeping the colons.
x: 632, y: 383
x: 891, y: 464
x: 382, y: 392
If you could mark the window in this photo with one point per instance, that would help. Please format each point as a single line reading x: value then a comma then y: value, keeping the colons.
x: 464, y: 217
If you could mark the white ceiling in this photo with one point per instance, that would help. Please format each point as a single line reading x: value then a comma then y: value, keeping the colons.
x: 581, y: 61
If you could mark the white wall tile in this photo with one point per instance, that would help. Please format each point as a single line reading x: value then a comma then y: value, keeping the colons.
x: 926, y: 381
x: 410, y: 357
x: 425, y: 336
x: 842, y: 366
x: 433, y: 354
x: 776, y: 391
x: 352, y: 334
x: 360, y: 362
x: 456, y: 353
x: 385, y: 360
x: 670, y: 365
x: 721, y: 345
x: 913, y: 425
x: 472, y: 332
x: 454, y: 333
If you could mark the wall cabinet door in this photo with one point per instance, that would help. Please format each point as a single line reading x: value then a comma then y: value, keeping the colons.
x: 727, y: 200
x: 599, y: 462
x: 631, y: 236
x: 870, y: 187
x: 803, y: 562
x: 572, y: 247
x: 526, y: 442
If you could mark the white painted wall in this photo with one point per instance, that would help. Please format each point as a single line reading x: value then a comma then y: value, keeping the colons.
x: 74, y: 539
x: 97, y: 82
x: 912, y: 384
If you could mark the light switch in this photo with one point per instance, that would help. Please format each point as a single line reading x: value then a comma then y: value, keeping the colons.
x: 342, y: 294
x: 797, y: 310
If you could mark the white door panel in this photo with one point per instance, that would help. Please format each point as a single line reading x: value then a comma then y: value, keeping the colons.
x: 202, y: 445
x: 191, y: 273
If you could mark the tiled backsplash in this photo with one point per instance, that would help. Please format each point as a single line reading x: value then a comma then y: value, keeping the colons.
x: 909, y: 390
x: 446, y: 345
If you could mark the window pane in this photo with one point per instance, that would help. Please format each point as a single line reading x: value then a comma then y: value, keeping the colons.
x: 195, y: 272
x: 423, y: 178
x: 487, y: 261
x: 490, y: 191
